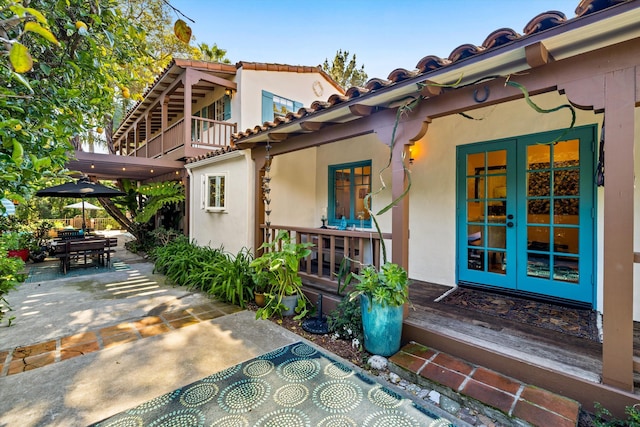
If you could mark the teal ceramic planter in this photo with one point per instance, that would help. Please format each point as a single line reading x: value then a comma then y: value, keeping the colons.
x: 382, y: 327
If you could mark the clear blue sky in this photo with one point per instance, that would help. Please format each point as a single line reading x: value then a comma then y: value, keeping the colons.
x: 384, y: 35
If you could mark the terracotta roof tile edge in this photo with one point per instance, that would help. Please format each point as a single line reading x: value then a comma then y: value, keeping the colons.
x: 265, y: 66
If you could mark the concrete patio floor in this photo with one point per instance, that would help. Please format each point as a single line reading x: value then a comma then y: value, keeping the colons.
x: 84, y: 348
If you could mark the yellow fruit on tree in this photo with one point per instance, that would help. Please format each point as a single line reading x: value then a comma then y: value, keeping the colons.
x: 80, y: 24
x: 125, y: 92
x: 99, y: 130
x: 17, y: 127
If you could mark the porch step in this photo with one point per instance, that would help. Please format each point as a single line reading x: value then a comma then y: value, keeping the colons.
x: 502, y: 398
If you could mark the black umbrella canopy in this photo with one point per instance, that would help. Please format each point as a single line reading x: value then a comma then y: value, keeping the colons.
x: 81, y: 188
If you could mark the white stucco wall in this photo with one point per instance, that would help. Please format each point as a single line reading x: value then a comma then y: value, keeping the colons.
x: 293, y: 184
x: 433, y: 205
x: 299, y: 180
x: 294, y: 86
x: 229, y: 229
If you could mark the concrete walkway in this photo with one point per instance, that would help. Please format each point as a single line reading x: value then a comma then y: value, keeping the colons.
x: 81, y: 349
x: 84, y: 348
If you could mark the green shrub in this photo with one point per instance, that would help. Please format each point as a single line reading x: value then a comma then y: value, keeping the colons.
x: 231, y: 278
x: 345, y: 322
x: 220, y: 274
x: 10, y: 277
x: 604, y: 418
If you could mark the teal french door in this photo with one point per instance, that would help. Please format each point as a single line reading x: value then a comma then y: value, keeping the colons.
x: 526, y: 214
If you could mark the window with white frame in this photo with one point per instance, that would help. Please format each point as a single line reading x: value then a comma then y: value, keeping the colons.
x: 214, y: 197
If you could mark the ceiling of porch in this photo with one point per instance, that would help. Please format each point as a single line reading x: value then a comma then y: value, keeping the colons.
x: 112, y: 166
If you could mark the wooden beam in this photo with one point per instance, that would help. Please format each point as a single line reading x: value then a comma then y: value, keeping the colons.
x: 431, y: 89
x: 277, y: 137
x: 313, y: 126
x: 537, y: 55
x: 364, y: 110
x: 617, y: 344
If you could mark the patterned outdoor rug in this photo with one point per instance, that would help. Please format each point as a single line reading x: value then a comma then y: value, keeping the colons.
x: 51, y: 270
x: 294, y: 386
x: 573, y: 321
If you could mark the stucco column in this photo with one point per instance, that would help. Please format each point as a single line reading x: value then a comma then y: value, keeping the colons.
x: 617, y: 349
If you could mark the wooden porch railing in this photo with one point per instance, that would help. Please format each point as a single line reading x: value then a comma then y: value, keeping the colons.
x: 154, y: 147
x: 330, y: 247
x: 207, y: 133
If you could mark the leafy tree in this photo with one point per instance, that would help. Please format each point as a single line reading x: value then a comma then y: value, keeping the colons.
x: 66, y: 61
x: 344, y: 70
x: 213, y: 53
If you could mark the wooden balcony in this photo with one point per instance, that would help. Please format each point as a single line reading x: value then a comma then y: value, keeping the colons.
x: 206, y: 135
x: 330, y: 247
x: 212, y: 134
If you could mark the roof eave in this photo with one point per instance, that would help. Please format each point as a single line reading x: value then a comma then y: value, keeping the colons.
x: 577, y: 36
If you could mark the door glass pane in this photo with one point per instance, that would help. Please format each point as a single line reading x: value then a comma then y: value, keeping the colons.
x: 475, y: 188
x: 538, y: 265
x: 476, y: 259
x: 538, y: 156
x: 474, y: 235
x: 475, y: 211
x: 539, y: 184
x: 565, y: 211
x: 566, y: 269
x: 342, y: 193
x: 497, y: 262
x: 475, y: 164
x: 566, y: 182
x: 566, y: 153
x: 497, y: 161
x: 497, y: 193
x: 538, y: 238
x: 566, y: 239
x: 538, y: 211
x: 497, y: 237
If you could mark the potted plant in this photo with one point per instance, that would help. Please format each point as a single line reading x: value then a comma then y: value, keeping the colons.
x: 38, y: 246
x: 260, y: 286
x: 18, y: 244
x: 279, y: 263
x: 383, y: 294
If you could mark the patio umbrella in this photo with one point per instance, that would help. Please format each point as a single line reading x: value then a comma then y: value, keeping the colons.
x: 9, y: 207
x: 81, y: 188
x: 83, y: 205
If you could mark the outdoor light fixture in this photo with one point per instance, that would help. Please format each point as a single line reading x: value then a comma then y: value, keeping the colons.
x: 411, y: 159
x: 228, y: 92
x: 92, y: 166
x: 151, y: 171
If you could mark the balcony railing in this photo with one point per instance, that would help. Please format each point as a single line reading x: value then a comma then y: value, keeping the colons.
x: 207, y: 133
x: 330, y: 247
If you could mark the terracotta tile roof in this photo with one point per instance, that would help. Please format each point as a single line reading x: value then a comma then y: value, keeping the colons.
x: 261, y: 66
x: 497, y: 38
x: 210, y: 154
